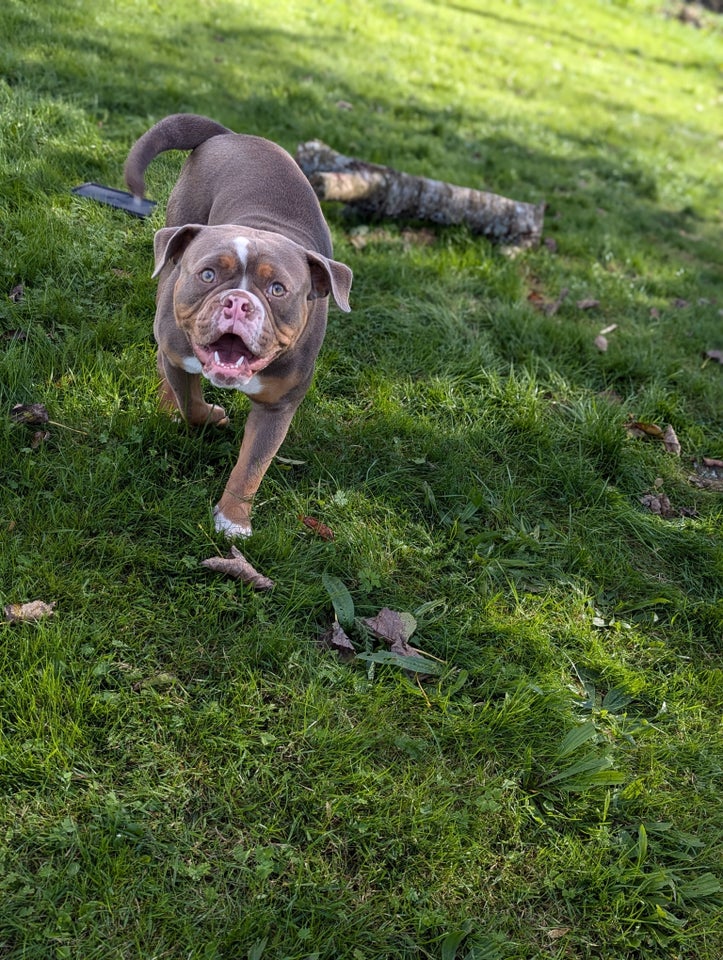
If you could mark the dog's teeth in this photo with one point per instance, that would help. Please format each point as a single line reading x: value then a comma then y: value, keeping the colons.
x: 216, y: 357
x: 240, y: 361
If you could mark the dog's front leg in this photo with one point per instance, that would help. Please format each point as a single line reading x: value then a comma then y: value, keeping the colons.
x: 181, y: 391
x: 266, y: 428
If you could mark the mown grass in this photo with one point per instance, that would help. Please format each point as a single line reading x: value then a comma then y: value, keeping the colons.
x: 183, y: 771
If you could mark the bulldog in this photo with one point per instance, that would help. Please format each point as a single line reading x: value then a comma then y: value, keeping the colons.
x: 245, y: 270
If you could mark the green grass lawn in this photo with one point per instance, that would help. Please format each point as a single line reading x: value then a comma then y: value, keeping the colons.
x: 185, y: 772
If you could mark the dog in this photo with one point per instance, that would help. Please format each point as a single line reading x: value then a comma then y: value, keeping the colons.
x: 245, y: 270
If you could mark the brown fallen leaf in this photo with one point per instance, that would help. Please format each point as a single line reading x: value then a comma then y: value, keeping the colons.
x: 326, y: 533
x: 17, y: 294
x: 28, y: 612
x: 706, y: 483
x: 658, y: 504
x: 637, y: 428
x: 716, y: 355
x: 552, y: 308
x: 336, y: 639
x: 601, y: 342
x: 670, y: 441
x: 587, y: 304
x: 39, y: 437
x: 34, y: 414
x: 395, y: 629
x: 238, y: 567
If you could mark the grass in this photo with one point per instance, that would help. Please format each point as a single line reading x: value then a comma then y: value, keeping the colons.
x: 184, y: 772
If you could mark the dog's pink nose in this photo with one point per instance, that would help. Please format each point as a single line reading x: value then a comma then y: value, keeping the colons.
x: 233, y: 305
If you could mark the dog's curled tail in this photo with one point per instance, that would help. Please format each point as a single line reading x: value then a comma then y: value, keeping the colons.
x: 180, y: 131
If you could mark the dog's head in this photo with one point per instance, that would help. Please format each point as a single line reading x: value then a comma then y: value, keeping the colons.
x: 243, y: 297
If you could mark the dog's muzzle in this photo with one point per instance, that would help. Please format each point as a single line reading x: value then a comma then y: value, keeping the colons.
x: 232, y: 357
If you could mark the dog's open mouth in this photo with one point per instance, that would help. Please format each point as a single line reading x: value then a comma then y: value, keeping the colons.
x: 228, y: 357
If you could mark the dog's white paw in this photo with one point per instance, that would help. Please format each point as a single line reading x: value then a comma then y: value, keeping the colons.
x: 228, y: 527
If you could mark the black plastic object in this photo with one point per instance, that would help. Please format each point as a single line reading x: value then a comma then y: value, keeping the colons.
x: 136, y: 206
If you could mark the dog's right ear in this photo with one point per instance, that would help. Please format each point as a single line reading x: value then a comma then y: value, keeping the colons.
x: 170, y: 242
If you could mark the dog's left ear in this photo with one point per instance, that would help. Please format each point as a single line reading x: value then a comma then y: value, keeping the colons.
x: 329, y: 275
x: 169, y: 242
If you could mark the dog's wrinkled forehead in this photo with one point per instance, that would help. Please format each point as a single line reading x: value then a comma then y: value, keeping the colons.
x: 250, y: 256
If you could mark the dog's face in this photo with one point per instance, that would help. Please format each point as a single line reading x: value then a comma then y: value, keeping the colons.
x: 243, y: 297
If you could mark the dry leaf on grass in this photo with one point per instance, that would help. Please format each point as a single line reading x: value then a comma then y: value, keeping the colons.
x: 552, y: 308
x: 670, y: 441
x: 659, y: 504
x: 651, y: 431
x: 238, y: 567
x: 321, y: 529
x: 336, y: 639
x: 716, y: 355
x: 28, y: 612
x: 708, y: 474
x: 33, y: 414
x: 395, y: 629
x: 17, y: 294
x: 640, y: 429
x: 587, y: 304
x: 601, y: 343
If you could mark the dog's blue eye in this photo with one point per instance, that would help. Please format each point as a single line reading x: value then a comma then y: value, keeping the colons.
x: 277, y: 289
x: 208, y: 275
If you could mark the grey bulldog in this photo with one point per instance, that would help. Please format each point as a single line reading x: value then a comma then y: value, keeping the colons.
x: 244, y: 269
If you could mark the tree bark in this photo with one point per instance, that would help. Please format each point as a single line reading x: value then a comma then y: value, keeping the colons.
x: 379, y: 191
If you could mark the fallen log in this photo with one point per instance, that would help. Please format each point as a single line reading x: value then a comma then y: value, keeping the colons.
x: 378, y: 191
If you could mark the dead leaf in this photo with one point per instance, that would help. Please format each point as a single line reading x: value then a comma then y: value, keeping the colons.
x: 552, y: 308
x: 33, y: 414
x: 706, y: 483
x: 658, y: 504
x: 587, y: 304
x: 336, y: 639
x: 421, y: 237
x: 326, y: 533
x: 708, y: 474
x: 28, y: 612
x: 17, y: 294
x: 637, y: 428
x: 670, y: 441
x: 344, y: 105
x: 716, y: 355
x: 554, y: 933
x: 40, y: 436
x: 608, y: 329
x: 395, y: 629
x: 238, y: 567
x: 601, y: 343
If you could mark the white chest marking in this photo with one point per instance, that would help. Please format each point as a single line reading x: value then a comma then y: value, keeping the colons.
x: 191, y: 364
x: 251, y: 386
